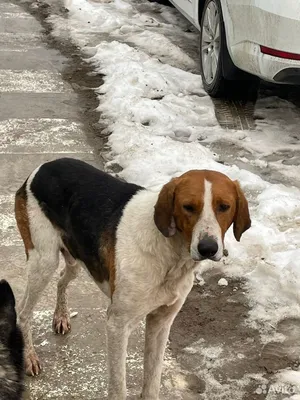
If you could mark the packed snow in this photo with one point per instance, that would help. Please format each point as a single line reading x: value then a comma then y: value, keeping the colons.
x: 158, y: 117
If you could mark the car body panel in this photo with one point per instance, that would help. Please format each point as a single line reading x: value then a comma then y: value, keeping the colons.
x: 252, y: 23
x: 189, y: 9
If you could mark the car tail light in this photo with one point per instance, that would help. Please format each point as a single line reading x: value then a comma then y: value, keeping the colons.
x: 279, y: 53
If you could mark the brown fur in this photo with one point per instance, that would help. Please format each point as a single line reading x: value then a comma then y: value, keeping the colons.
x: 242, y: 220
x: 22, y: 218
x: 107, y: 250
x: 189, y: 190
x: 164, y: 208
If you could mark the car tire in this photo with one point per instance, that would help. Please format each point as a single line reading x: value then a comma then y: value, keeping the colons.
x: 219, y: 74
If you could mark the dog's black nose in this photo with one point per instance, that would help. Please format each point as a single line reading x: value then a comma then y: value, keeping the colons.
x: 208, y: 247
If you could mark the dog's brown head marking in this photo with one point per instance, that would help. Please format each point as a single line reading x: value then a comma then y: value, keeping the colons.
x: 202, y: 205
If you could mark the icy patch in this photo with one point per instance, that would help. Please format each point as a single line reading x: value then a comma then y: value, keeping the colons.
x: 9, y: 235
x: 42, y: 135
x: 19, y: 41
x: 31, y: 81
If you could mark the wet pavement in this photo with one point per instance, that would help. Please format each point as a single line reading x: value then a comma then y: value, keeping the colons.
x: 40, y: 120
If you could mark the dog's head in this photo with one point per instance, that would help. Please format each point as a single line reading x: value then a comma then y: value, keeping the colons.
x: 202, y: 205
x: 8, y: 318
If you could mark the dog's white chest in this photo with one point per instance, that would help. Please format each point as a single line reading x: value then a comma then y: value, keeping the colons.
x: 177, y: 281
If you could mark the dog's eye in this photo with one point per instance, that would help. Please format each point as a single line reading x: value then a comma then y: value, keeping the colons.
x: 189, y: 207
x: 223, y: 207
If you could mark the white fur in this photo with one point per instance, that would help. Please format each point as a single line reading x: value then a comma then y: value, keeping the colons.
x: 207, y: 225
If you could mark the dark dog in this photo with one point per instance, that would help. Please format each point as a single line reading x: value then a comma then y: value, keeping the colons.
x: 11, y: 347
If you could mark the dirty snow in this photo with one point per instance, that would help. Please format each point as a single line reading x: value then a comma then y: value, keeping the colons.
x: 223, y: 282
x: 157, y: 114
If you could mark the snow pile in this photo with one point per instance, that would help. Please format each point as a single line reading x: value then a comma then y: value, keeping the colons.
x: 156, y: 29
x: 158, y: 114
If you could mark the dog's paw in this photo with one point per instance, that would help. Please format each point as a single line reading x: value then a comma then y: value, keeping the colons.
x: 61, y: 323
x: 32, y: 364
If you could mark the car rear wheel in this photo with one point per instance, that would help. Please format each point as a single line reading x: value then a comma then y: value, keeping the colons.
x: 215, y: 62
x: 210, y: 49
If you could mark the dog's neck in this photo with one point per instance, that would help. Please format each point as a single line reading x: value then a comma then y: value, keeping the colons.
x: 172, y: 253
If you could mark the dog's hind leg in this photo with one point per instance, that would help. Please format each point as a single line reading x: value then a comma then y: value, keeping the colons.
x: 40, y: 270
x: 61, y: 318
x: 42, y: 244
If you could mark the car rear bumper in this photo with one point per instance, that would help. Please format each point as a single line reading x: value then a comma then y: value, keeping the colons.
x: 249, y: 57
x: 272, y: 24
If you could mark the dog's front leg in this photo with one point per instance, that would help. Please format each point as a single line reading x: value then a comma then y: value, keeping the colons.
x: 158, y: 325
x: 117, y: 340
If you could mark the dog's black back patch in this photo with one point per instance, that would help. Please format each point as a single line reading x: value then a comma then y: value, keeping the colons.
x: 11, y: 347
x: 85, y: 204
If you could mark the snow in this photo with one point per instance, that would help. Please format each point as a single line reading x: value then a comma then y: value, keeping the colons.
x: 73, y: 314
x: 287, y: 384
x: 158, y: 116
x: 223, y: 282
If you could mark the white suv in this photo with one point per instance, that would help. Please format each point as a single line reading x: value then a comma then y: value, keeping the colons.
x: 243, y: 39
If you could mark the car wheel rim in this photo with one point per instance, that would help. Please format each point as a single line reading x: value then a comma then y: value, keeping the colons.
x: 210, y: 42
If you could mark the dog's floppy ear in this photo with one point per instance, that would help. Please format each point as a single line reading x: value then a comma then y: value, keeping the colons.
x: 163, y: 214
x: 242, y: 220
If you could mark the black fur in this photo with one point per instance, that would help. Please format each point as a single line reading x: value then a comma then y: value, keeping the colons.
x: 11, y: 347
x: 85, y: 204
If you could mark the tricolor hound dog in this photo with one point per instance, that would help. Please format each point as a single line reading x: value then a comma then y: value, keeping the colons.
x: 141, y: 248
